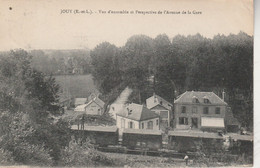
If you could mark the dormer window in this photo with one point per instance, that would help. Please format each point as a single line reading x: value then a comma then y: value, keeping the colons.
x: 160, y: 102
x: 195, y: 99
x: 129, y: 111
x: 206, y: 99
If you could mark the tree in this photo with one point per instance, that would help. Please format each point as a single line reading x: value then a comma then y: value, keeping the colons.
x: 28, y: 102
x: 137, y: 54
x: 105, y: 67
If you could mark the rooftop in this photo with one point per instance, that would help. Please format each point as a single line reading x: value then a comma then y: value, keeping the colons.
x: 195, y: 134
x: 143, y: 131
x: 137, y: 112
x: 188, y: 96
x: 157, y: 100
x: 209, y: 135
x: 96, y: 128
x: 80, y: 100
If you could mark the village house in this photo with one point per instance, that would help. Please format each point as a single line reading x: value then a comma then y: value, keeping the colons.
x: 200, y: 110
x: 80, y: 101
x: 161, y: 107
x: 93, y: 107
x: 135, y: 116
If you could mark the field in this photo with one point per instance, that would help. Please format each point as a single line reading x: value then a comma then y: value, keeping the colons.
x: 76, y: 85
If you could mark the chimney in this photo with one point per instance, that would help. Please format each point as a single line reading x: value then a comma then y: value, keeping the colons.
x: 223, y: 95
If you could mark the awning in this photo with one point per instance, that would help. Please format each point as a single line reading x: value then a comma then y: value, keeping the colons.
x: 212, y: 122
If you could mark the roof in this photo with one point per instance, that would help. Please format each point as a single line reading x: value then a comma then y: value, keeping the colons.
x: 212, y: 122
x: 99, y: 102
x: 83, y: 106
x: 138, y: 112
x: 241, y: 137
x: 143, y: 131
x: 195, y: 134
x: 157, y: 100
x: 80, y: 107
x: 188, y: 96
x: 96, y: 128
x: 230, y: 119
x: 80, y: 100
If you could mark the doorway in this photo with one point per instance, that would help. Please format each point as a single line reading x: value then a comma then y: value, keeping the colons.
x: 194, y: 122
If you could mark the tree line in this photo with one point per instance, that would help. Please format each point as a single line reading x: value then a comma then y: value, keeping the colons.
x: 61, y: 62
x: 169, y: 67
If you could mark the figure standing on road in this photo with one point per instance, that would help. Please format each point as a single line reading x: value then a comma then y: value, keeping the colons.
x: 186, y: 158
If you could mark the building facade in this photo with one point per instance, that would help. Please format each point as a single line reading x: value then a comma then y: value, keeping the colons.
x: 199, y: 110
x: 94, y: 107
x: 161, y: 107
x: 135, y: 116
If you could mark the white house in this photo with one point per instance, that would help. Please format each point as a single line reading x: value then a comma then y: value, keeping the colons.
x: 161, y: 107
x: 80, y: 101
x: 93, y: 107
x: 135, y: 116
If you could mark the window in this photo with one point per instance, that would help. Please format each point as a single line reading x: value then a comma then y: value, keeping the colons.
x: 195, y: 100
x: 183, y: 109
x: 194, y: 109
x: 206, y: 110
x: 150, y: 125
x: 131, y: 124
x: 142, y: 125
x: 183, y: 121
x: 122, y: 123
x: 206, y: 101
x: 157, y: 122
x: 217, y: 110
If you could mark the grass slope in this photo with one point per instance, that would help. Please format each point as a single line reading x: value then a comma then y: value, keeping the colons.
x: 76, y: 85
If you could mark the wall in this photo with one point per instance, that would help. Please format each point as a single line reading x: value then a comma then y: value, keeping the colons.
x: 157, y: 109
x: 136, y: 123
x: 178, y: 113
x: 118, y: 122
x: 155, y: 127
x: 92, y: 109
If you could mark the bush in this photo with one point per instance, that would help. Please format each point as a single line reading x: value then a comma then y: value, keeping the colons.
x: 83, y: 155
x: 6, y: 158
x: 33, y: 155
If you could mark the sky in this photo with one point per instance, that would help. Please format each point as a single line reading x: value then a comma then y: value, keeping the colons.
x: 30, y: 24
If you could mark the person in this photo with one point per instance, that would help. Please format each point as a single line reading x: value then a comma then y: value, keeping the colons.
x: 82, y: 122
x: 186, y: 158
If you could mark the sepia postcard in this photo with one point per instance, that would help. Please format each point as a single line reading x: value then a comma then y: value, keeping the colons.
x: 119, y: 83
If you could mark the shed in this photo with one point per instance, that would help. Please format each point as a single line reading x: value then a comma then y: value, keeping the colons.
x: 98, y: 135
x: 141, y: 138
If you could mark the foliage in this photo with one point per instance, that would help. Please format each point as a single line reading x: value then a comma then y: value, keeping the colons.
x: 60, y: 62
x: 105, y: 72
x: 84, y: 155
x: 27, y: 106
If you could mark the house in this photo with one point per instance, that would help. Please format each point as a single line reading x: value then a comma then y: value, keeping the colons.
x: 199, y: 110
x: 80, y: 101
x: 93, y: 107
x: 136, y: 116
x: 161, y: 107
